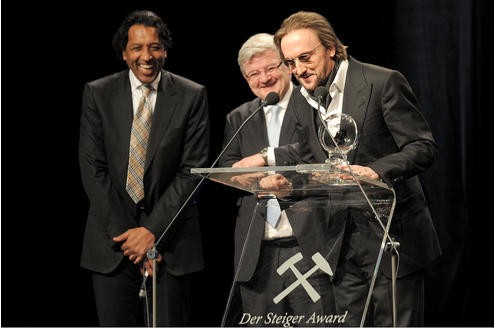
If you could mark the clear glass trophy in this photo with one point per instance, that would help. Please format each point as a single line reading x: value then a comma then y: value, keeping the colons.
x: 338, y: 135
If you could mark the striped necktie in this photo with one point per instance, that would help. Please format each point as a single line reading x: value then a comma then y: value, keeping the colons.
x: 140, y: 131
x: 272, y: 206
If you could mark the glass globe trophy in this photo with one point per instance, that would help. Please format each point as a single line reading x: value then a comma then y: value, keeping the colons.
x: 344, y: 137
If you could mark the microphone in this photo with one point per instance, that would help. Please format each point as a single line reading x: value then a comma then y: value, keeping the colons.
x: 320, y: 93
x: 271, y: 99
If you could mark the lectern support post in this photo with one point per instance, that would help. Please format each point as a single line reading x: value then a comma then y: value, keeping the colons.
x: 393, y: 247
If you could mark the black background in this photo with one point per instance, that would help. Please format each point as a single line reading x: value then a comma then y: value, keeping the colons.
x: 444, y: 48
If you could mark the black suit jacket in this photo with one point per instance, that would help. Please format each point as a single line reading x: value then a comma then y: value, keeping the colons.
x: 250, y: 140
x: 395, y: 141
x: 179, y: 141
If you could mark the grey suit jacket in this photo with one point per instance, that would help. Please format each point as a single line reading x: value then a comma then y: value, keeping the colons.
x: 179, y: 141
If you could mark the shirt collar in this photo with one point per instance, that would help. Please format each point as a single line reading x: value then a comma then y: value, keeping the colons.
x: 339, y: 81
x: 136, y: 84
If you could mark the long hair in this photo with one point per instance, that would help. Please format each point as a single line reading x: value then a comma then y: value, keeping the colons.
x: 316, y: 22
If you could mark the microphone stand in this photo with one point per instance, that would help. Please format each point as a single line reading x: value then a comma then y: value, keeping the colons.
x: 152, y: 254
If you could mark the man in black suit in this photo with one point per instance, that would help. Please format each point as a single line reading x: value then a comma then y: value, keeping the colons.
x: 125, y: 221
x: 395, y: 145
x: 265, y: 245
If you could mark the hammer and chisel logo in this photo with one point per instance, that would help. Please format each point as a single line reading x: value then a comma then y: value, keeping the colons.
x: 302, y: 279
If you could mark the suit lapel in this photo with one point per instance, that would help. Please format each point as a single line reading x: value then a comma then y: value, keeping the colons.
x: 166, y: 104
x: 313, y: 122
x: 321, y: 154
x: 287, y: 130
x: 257, y: 121
x: 356, y: 97
x: 306, y: 115
x: 121, y: 106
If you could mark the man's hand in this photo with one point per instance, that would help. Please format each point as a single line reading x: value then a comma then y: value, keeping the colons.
x: 277, y: 185
x: 135, y: 243
x: 358, y: 170
x: 255, y: 160
x: 247, y: 179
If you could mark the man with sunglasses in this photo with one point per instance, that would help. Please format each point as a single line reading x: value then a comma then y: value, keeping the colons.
x: 395, y: 145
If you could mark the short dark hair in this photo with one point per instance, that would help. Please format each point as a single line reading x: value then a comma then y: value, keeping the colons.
x: 140, y: 17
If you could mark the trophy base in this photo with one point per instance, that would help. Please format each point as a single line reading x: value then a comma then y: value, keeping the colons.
x: 334, y: 161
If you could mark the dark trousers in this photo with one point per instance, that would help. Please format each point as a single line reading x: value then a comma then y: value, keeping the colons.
x: 352, y: 282
x: 118, y: 302
x: 258, y: 294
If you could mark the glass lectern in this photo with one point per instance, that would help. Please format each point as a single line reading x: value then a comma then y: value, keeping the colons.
x: 317, y: 200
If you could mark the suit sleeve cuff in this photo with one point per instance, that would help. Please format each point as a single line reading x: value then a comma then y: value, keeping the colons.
x: 270, y: 159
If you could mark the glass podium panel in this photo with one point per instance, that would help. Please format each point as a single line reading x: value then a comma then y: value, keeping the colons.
x: 317, y: 201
